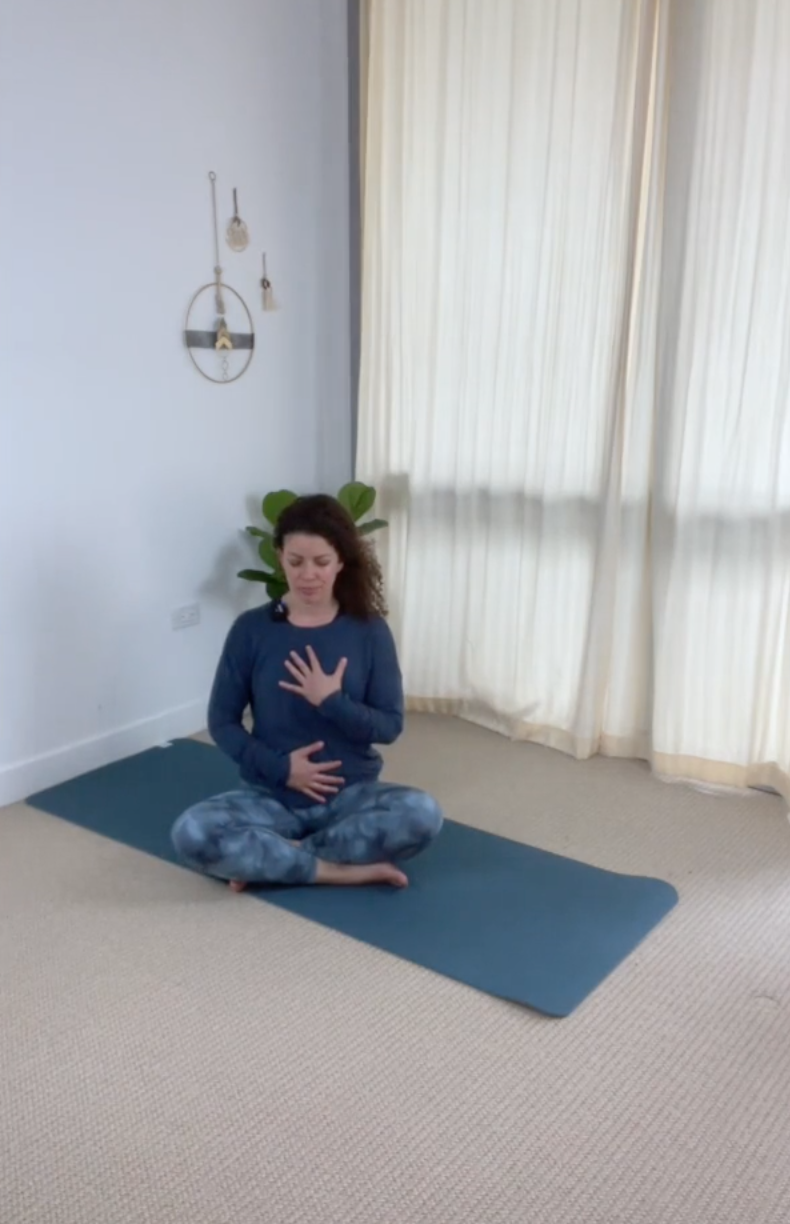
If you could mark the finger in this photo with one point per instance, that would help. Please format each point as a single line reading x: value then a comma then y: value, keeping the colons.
x: 292, y: 688
x: 299, y: 662
x: 327, y: 780
x: 314, y: 795
x: 294, y: 671
x: 340, y: 670
x: 311, y: 748
x: 327, y: 766
x: 326, y: 791
x: 313, y: 660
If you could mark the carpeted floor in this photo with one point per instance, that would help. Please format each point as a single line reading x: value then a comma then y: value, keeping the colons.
x: 173, y: 1054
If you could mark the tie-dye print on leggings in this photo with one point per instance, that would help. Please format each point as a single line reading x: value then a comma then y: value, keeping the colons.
x: 248, y: 835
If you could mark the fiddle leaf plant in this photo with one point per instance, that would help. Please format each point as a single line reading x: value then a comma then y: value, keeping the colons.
x: 355, y: 497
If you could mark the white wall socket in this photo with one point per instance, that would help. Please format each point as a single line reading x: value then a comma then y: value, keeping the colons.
x: 186, y: 617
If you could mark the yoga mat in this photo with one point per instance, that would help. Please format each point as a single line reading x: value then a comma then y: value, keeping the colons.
x: 509, y: 919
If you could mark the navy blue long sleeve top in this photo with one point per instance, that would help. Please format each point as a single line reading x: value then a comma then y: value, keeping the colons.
x: 368, y: 710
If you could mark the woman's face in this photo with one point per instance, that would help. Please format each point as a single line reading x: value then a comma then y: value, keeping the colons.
x: 311, y: 566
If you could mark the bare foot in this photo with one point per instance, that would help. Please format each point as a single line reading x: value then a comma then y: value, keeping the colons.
x: 347, y: 873
x: 368, y: 873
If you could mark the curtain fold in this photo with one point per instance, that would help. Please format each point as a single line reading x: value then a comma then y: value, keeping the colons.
x: 574, y: 378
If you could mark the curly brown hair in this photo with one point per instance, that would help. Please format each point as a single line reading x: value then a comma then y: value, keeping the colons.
x: 359, y: 587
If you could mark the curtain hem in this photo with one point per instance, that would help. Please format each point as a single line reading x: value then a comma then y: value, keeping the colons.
x: 698, y: 771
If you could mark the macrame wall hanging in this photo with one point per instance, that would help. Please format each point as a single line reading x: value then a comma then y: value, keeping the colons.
x: 219, y: 333
x: 237, y: 235
x: 266, y: 289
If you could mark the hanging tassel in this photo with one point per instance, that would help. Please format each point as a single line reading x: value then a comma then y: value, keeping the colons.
x: 266, y: 286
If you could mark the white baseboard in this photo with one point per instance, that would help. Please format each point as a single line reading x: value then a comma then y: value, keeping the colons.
x: 37, y: 773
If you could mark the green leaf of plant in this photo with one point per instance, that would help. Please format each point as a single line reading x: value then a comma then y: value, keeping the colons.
x: 274, y: 504
x: 357, y: 498
x: 256, y: 531
x: 250, y: 575
x: 372, y: 525
x: 276, y: 589
x: 267, y: 552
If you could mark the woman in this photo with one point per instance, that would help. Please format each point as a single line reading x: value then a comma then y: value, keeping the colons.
x: 320, y: 673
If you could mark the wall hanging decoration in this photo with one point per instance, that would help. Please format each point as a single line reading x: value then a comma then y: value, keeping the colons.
x: 219, y: 333
x: 266, y: 287
x: 237, y: 235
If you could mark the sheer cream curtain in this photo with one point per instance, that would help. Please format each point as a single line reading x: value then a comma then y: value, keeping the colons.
x: 576, y: 369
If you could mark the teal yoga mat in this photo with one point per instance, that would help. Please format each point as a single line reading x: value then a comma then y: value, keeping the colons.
x: 505, y: 918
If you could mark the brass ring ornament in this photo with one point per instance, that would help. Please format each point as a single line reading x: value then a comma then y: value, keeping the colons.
x: 220, y: 345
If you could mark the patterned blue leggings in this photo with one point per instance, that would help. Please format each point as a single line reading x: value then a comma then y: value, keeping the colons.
x: 248, y: 835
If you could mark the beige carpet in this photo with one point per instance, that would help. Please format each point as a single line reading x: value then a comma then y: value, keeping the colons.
x: 173, y: 1054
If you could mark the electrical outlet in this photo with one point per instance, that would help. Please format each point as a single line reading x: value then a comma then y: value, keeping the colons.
x: 186, y: 617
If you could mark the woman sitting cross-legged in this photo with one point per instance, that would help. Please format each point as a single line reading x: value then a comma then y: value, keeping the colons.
x: 320, y: 673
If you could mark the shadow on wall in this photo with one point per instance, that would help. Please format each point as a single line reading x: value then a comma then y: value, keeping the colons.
x: 223, y: 588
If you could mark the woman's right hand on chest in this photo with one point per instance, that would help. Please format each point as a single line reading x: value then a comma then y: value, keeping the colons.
x: 317, y: 779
